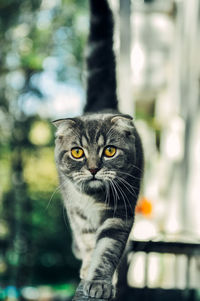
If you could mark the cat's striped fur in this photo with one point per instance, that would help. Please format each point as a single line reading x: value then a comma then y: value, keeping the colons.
x: 99, y: 192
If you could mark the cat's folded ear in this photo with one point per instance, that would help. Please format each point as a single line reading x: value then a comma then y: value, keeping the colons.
x: 121, y: 117
x: 123, y: 123
x: 64, y: 121
x: 62, y: 125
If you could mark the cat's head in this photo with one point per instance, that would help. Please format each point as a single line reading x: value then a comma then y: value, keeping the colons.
x: 94, y: 151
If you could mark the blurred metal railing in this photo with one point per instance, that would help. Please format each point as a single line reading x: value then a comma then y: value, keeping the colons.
x: 126, y: 292
x: 177, y: 248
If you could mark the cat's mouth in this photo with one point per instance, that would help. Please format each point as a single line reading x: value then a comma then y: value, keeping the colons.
x: 93, y: 185
x: 94, y: 181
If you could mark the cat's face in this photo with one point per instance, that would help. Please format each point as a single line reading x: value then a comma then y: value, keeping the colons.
x: 95, y: 151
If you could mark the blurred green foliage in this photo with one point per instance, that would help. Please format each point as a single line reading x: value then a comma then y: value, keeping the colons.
x: 35, y: 241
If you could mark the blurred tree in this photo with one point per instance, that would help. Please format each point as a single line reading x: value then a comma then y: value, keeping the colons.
x: 31, y: 34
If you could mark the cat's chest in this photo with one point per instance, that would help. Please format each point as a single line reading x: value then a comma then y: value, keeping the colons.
x: 89, y: 213
x: 86, y: 210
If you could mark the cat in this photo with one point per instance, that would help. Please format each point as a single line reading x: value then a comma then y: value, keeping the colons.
x: 99, y: 159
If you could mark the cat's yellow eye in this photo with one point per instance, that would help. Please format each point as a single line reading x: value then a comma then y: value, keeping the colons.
x: 110, y: 151
x: 77, y: 152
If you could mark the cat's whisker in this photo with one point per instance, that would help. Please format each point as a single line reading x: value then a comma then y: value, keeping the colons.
x: 125, y: 183
x: 81, y: 177
x: 115, y: 196
x: 55, y: 191
x: 64, y: 217
x: 128, y: 174
x: 125, y: 197
x: 106, y: 197
x: 109, y: 173
x: 136, y: 167
x: 111, y: 187
x: 107, y: 194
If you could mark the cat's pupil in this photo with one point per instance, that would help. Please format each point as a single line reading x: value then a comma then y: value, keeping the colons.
x: 109, y: 151
x: 77, y: 153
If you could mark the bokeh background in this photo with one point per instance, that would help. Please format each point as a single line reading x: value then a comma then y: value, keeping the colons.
x: 42, y: 77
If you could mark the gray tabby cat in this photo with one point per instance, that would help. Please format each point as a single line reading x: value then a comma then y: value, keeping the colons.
x: 99, y: 160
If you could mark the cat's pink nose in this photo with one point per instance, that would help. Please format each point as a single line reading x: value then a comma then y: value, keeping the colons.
x: 93, y: 170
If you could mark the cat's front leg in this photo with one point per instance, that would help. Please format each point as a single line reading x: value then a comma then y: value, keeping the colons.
x: 83, y: 249
x: 110, y: 243
x: 85, y: 264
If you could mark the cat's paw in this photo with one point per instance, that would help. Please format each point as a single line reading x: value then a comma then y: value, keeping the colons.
x: 98, y: 289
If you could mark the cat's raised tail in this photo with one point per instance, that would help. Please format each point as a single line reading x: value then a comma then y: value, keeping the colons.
x: 101, y: 81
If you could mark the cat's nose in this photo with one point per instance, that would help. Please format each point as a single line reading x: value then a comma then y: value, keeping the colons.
x: 93, y: 170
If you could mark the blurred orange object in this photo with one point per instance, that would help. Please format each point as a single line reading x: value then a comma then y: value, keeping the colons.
x: 144, y: 207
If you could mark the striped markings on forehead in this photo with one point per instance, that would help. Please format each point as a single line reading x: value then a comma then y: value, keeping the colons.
x: 100, y: 134
x: 99, y: 140
x: 93, y: 133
